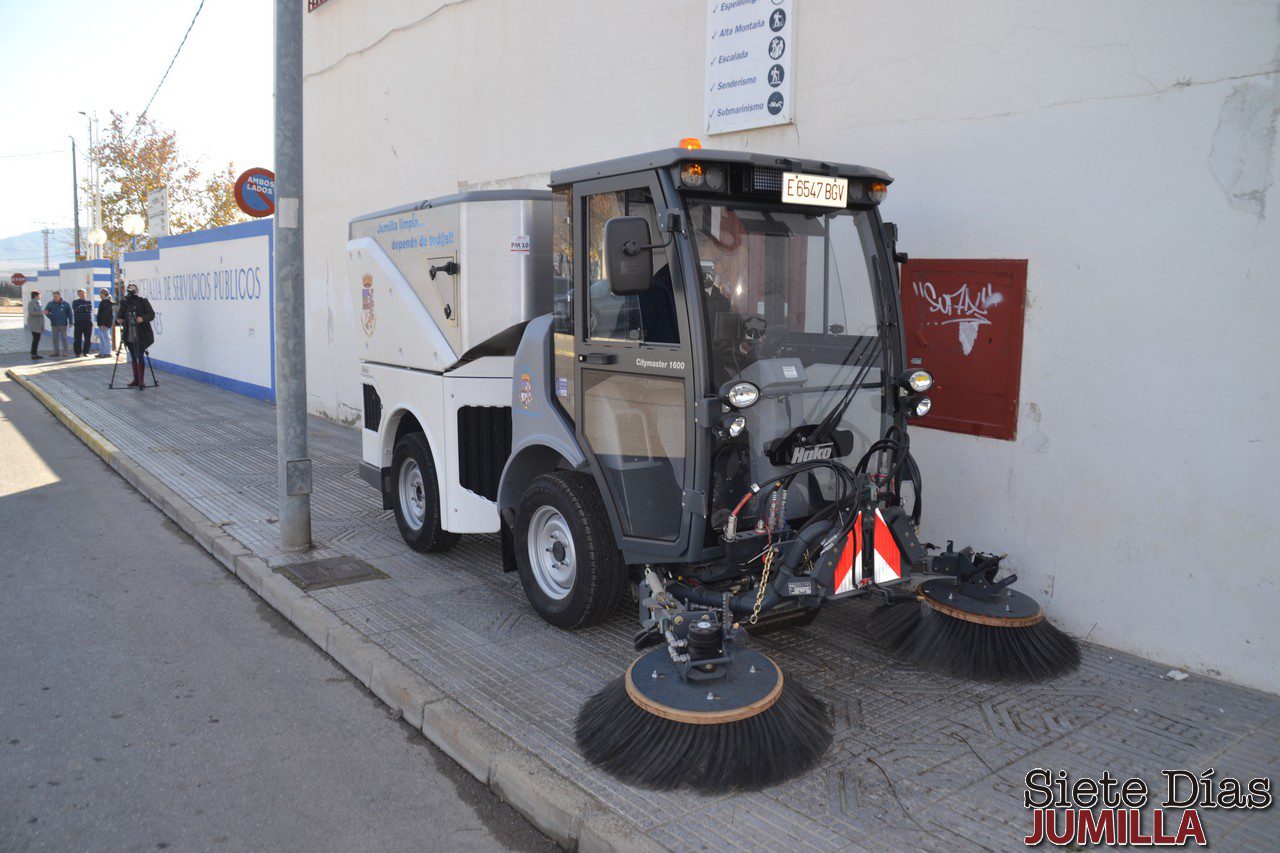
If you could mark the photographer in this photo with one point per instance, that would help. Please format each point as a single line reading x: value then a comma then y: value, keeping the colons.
x: 135, y: 316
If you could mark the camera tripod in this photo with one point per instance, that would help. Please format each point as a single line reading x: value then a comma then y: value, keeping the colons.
x: 146, y: 361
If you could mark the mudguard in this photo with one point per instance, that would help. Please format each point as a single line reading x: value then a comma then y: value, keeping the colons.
x: 542, y: 436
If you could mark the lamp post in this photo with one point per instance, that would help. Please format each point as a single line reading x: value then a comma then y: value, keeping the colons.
x: 133, y: 225
x: 95, y: 208
x: 96, y: 238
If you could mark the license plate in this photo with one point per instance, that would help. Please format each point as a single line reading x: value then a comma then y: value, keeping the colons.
x: 821, y: 190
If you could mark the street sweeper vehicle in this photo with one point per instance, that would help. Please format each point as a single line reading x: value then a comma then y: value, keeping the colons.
x: 677, y: 380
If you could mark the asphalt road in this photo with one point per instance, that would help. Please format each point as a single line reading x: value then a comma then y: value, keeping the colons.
x: 149, y: 700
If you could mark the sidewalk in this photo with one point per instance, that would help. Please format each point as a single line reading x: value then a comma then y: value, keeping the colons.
x: 920, y: 761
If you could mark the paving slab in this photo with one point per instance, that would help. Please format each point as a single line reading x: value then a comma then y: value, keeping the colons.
x: 920, y: 760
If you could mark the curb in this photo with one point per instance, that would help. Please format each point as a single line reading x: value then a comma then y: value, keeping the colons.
x: 550, y: 801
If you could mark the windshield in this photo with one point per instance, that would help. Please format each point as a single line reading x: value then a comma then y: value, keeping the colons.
x: 784, y: 282
x: 792, y: 305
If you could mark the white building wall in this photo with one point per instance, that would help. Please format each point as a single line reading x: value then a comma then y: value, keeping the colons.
x: 1128, y: 150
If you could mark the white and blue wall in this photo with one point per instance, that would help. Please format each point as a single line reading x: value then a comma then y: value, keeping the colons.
x: 212, y: 293
x: 44, y: 282
x: 90, y: 276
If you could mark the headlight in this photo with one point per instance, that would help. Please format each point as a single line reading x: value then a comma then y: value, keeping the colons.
x: 877, y: 191
x: 691, y: 174
x: 743, y: 394
x: 733, y: 425
x: 918, y: 381
x: 923, y: 405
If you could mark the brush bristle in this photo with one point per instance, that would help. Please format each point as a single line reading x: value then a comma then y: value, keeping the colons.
x: 923, y: 636
x: 648, y: 751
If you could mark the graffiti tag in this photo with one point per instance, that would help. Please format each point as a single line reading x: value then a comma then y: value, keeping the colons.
x: 965, y: 310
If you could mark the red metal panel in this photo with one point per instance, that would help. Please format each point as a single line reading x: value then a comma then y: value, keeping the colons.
x: 963, y: 323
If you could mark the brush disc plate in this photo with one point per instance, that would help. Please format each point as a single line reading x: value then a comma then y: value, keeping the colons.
x: 750, y: 686
x: 1009, y: 609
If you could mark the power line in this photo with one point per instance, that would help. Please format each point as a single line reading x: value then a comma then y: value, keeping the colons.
x: 143, y: 114
x: 32, y: 153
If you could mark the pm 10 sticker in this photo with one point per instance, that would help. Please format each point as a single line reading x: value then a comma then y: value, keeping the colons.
x: 814, y: 189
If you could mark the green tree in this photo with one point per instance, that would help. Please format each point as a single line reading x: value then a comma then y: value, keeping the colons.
x: 133, y: 161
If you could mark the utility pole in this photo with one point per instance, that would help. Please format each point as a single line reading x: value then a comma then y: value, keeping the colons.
x: 44, y: 232
x: 97, y: 186
x: 75, y: 194
x: 293, y: 465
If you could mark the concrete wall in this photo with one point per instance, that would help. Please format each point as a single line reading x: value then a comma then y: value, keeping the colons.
x: 90, y: 276
x: 1128, y: 150
x: 212, y: 294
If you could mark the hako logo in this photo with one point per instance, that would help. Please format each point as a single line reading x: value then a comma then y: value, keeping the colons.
x: 809, y: 454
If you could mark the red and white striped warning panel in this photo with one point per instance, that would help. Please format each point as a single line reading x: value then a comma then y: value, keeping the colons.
x: 888, y: 560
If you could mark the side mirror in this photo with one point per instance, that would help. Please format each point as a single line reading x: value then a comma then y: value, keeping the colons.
x: 891, y: 231
x: 627, y: 262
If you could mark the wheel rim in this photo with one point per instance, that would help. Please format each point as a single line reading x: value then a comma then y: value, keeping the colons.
x: 413, y: 495
x: 551, y: 553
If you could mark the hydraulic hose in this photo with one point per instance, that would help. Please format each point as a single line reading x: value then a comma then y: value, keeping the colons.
x: 741, y: 605
x: 744, y: 603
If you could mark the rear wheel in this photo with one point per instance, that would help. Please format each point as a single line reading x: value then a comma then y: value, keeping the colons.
x: 569, y: 563
x: 415, y: 494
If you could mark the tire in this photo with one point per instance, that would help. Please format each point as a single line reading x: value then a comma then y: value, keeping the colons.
x: 582, y: 582
x: 415, y: 495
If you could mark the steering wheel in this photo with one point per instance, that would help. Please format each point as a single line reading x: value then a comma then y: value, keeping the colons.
x: 771, y: 338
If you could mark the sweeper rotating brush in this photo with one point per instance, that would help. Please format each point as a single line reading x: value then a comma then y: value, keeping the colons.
x: 733, y: 725
x: 980, y: 630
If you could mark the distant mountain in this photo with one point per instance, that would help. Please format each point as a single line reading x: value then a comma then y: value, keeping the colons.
x: 26, y: 251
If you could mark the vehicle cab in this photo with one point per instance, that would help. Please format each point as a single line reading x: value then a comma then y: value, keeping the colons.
x: 719, y: 316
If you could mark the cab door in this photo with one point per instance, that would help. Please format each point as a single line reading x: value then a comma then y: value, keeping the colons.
x: 633, y: 375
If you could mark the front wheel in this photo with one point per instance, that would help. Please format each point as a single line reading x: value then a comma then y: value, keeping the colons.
x: 569, y: 563
x: 416, y: 496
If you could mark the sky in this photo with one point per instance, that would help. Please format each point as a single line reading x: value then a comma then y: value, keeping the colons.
x: 58, y: 57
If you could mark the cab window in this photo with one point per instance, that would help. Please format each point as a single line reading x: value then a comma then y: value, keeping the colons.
x: 646, y: 318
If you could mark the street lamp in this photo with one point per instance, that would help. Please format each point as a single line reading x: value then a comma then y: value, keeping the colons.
x: 133, y: 225
x: 95, y: 211
x: 97, y: 237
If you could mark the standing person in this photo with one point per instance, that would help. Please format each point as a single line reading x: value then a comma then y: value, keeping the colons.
x: 135, y: 317
x: 106, y: 322
x: 59, y: 314
x: 82, y: 311
x: 35, y: 323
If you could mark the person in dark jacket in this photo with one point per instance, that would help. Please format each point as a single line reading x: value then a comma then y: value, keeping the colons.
x: 106, y: 322
x: 134, y: 317
x: 59, y: 314
x: 82, y: 316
